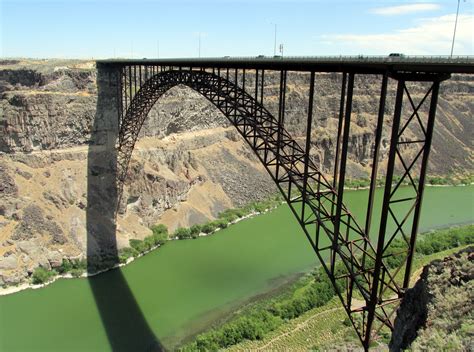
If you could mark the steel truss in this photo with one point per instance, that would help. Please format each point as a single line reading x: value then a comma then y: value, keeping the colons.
x: 369, y: 289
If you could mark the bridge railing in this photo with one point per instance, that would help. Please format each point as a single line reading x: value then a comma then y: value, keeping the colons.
x: 368, y: 58
x: 397, y: 57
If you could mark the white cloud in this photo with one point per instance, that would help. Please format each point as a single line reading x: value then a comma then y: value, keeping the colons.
x: 431, y: 36
x: 404, y: 9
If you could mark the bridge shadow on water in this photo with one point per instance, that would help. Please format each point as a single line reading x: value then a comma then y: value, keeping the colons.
x: 123, y: 321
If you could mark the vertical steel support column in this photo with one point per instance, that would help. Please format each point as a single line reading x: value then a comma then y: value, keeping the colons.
x: 342, y: 173
x: 135, y: 78
x: 130, y: 82
x: 421, y: 183
x: 385, y: 211
x: 124, y: 89
x: 338, y: 139
x: 235, y: 97
x: 256, y: 95
x: 243, y: 81
x: 261, y: 89
x: 139, y: 76
x: 227, y: 92
x: 378, y: 139
x: 120, y: 97
x: 308, y: 142
x: 281, y: 119
x: 219, y: 87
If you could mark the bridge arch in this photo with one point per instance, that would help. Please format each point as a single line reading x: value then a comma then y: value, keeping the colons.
x: 312, y: 198
x: 239, y: 107
x: 288, y: 164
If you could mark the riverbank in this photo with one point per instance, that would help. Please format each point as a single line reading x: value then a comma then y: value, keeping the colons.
x: 324, y: 328
x: 313, y: 291
x: 126, y: 256
x: 229, y: 217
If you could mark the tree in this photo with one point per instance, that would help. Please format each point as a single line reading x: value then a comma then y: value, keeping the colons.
x: 195, y: 231
x: 41, y: 275
x: 182, y: 233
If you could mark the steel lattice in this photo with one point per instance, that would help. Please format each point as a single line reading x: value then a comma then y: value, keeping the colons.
x: 365, y: 284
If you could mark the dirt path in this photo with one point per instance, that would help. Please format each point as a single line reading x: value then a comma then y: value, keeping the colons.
x: 299, y: 326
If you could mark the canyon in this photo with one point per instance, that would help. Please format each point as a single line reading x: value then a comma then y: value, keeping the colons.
x: 189, y: 163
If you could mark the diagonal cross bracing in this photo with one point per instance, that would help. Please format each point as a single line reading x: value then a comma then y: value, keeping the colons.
x: 365, y: 284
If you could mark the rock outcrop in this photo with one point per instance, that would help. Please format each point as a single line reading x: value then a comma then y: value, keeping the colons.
x: 437, y: 313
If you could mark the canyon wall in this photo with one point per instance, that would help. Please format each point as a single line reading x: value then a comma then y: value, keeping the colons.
x: 189, y: 163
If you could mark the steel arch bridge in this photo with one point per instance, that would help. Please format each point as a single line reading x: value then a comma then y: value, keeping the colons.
x: 368, y: 287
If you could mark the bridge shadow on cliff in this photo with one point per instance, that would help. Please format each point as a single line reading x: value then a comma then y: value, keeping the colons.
x: 123, y: 321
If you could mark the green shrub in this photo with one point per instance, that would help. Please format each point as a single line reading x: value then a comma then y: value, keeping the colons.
x: 195, y: 231
x: 41, y: 275
x: 229, y: 215
x: 182, y: 233
x: 138, y: 245
x: 321, y: 293
x: 126, y: 253
x: 77, y: 272
x: 79, y: 264
x: 159, y: 229
x: 159, y: 239
x: 159, y: 236
x: 444, y: 239
x: 65, y: 267
x: 251, y: 327
x: 208, y: 228
x: 220, y: 224
x: 70, y: 264
x: 149, y: 242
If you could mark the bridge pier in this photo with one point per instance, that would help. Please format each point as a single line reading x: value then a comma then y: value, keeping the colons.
x: 122, y: 318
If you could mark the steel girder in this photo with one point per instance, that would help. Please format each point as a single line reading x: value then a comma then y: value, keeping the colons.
x: 368, y: 288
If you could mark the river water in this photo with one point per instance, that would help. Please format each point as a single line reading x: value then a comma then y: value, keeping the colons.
x: 185, y: 286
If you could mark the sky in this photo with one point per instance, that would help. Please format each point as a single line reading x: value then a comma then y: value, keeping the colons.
x: 98, y: 29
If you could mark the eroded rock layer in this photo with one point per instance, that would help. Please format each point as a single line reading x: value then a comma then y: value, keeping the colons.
x: 188, y: 165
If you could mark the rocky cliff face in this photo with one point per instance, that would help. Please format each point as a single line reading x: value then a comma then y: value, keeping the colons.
x: 437, y: 313
x: 187, y: 166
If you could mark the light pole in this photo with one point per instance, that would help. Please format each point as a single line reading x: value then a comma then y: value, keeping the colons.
x: 455, y: 25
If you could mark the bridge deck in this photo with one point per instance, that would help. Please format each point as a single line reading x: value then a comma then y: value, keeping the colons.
x: 358, y: 64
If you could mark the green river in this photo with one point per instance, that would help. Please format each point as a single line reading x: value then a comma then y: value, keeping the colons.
x: 185, y: 286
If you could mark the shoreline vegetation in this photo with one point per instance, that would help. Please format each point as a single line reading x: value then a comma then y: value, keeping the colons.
x: 77, y: 268
x: 313, y: 291
x: 450, y: 180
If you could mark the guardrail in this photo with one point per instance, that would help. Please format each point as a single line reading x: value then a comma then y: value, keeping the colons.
x: 368, y: 58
